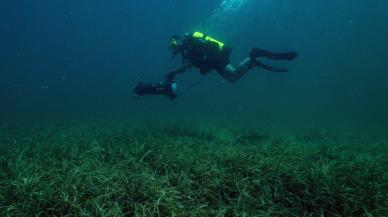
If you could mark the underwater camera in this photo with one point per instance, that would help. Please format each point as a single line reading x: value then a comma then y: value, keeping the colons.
x: 167, y: 88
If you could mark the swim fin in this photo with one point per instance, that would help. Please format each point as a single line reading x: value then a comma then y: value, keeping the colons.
x: 255, y: 53
x: 257, y: 63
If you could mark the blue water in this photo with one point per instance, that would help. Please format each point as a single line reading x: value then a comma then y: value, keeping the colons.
x: 80, y: 58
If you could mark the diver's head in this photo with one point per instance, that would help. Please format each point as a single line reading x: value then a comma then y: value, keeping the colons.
x: 175, y: 42
x: 175, y: 45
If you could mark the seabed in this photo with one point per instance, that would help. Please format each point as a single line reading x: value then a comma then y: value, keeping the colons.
x: 181, y: 170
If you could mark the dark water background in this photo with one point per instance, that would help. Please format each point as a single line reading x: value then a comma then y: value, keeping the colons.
x: 78, y: 59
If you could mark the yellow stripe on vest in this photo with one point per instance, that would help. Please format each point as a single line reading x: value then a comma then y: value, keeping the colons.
x: 207, y: 38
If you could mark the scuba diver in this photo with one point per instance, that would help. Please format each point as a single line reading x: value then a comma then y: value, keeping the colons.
x: 205, y: 53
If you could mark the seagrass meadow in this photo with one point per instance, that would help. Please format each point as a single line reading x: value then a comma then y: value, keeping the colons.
x: 120, y: 169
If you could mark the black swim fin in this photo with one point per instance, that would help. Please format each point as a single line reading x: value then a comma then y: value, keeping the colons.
x: 255, y: 53
x: 257, y: 63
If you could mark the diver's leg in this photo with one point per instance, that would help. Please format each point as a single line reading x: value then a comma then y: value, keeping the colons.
x: 233, y: 74
x: 255, y: 53
x: 228, y: 73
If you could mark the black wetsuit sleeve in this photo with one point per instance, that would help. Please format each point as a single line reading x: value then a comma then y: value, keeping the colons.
x: 179, y: 70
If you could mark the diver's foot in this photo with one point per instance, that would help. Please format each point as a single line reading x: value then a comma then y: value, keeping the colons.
x: 255, y: 53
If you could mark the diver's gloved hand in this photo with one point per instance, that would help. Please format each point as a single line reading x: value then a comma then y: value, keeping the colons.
x: 170, y: 76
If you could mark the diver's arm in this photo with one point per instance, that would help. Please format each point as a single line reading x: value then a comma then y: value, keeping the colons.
x: 179, y: 70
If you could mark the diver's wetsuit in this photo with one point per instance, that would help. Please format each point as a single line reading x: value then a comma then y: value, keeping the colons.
x: 206, y: 54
